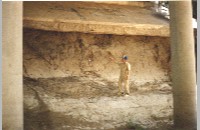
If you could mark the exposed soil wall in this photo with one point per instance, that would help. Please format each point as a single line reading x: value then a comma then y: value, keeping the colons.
x: 71, y: 83
x: 56, y: 54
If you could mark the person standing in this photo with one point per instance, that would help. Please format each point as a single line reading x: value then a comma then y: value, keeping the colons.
x: 125, y: 69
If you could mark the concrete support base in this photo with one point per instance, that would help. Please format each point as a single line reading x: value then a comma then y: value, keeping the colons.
x: 12, y: 66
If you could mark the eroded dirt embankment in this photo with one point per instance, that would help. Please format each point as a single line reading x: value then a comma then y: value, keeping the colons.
x: 56, y: 54
x: 70, y: 83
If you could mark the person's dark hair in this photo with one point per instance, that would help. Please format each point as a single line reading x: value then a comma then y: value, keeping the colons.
x: 125, y: 57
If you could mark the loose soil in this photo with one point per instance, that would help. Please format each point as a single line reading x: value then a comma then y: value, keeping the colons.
x: 78, y: 103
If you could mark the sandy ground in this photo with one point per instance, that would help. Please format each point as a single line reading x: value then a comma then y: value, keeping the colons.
x: 76, y: 103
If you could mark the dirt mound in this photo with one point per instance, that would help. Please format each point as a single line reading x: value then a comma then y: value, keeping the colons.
x: 56, y: 54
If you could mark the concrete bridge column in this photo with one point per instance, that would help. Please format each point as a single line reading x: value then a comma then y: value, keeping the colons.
x: 12, y: 92
x: 183, y: 64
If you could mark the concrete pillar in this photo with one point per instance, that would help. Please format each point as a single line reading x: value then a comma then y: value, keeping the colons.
x: 183, y: 65
x: 12, y: 92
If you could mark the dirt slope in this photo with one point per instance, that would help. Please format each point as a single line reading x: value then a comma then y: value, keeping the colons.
x: 56, y: 54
